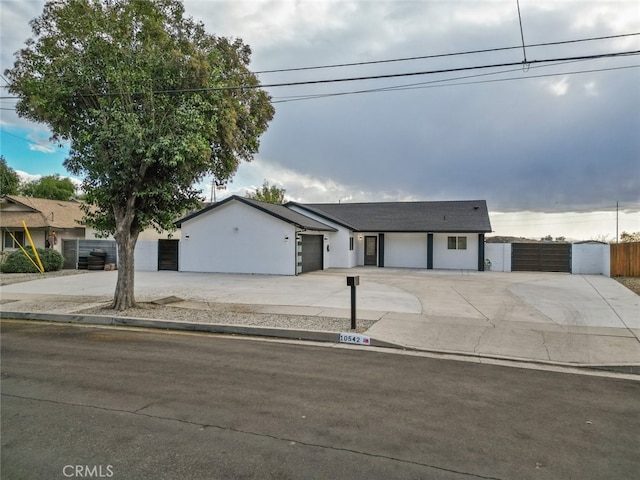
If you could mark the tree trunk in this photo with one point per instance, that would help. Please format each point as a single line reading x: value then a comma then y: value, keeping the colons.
x: 124, y: 296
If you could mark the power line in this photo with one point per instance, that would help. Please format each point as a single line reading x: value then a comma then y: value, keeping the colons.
x: 428, y: 57
x: 396, y: 75
x: 443, y: 55
x: 381, y: 77
x: 443, y: 83
x: 393, y: 75
x: 4, y: 132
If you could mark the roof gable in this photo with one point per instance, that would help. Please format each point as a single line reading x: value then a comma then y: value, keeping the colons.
x: 280, y: 212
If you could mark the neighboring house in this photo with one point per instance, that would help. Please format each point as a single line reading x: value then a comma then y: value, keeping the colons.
x: 154, y: 250
x: 42, y: 216
x: 238, y: 235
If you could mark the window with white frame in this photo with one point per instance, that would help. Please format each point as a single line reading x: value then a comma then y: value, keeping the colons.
x: 457, y: 243
x: 350, y: 243
x: 8, y: 240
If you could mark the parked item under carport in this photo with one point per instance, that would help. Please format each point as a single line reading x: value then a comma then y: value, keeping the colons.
x: 96, y: 260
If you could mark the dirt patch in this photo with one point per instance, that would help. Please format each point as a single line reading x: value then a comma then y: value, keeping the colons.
x: 11, y: 278
x: 632, y: 283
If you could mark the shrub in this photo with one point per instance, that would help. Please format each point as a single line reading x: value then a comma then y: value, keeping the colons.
x: 16, y: 262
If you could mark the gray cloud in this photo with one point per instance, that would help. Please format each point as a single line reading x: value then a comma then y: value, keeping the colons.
x: 542, y: 144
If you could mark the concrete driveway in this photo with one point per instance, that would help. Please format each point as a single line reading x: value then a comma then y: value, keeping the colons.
x: 583, y: 319
x: 548, y: 317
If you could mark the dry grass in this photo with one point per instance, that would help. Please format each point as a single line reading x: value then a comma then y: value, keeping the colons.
x: 632, y: 283
x: 11, y: 278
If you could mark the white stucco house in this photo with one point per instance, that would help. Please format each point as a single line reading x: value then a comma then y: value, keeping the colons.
x: 239, y: 235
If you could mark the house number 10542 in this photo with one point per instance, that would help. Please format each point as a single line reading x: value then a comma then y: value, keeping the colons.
x: 355, y: 338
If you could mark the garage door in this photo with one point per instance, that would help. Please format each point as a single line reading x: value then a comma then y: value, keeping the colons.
x: 311, y: 252
x: 541, y: 257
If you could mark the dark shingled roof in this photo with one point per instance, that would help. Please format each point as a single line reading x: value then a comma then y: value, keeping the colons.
x: 449, y: 216
x: 279, y: 211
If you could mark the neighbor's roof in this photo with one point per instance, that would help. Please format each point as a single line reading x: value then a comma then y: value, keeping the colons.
x: 39, y: 213
x: 278, y: 211
x: 442, y: 216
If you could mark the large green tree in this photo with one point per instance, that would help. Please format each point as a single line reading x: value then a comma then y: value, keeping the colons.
x: 9, y: 179
x: 268, y: 193
x: 52, y: 187
x: 150, y: 103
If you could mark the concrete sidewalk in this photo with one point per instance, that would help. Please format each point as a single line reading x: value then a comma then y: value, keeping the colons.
x: 548, y: 318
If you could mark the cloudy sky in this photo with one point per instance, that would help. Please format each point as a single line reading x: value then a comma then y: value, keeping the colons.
x: 552, y: 146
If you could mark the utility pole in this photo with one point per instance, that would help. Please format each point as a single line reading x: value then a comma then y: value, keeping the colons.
x: 616, y: 222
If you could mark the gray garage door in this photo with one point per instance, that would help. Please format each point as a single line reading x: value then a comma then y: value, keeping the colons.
x: 311, y: 253
x: 541, y: 257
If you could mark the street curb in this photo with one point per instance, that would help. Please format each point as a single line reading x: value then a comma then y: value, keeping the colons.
x: 309, y: 335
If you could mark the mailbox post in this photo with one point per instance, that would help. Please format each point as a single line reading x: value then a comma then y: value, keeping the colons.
x: 353, y: 282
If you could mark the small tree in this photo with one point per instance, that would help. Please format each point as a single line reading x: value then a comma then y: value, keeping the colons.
x: 268, y: 193
x: 52, y: 187
x: 629, y: 237
x: 9, y: 179
x: 151, y: 104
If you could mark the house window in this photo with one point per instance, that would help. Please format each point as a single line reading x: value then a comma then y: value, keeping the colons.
x: 350, y: 243
x: 457, y: 243
x: 8, y: 241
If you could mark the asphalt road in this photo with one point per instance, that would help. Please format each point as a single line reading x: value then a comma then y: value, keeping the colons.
x: 89, y: 402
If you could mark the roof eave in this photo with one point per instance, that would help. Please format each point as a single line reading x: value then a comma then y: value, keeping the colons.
x: 243, y: 200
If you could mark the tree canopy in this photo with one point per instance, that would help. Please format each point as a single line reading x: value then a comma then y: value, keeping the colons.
x: 150, y: 103
x: 268, y: 193
x: 52, y: 187
x: 9, y: 179
x: 629, y: 237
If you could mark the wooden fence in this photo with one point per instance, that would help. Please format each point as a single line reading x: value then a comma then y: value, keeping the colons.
x: 625, y: 259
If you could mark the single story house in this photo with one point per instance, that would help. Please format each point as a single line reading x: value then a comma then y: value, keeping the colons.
x: 42, y: 216
x: 239, y: 235
x: 154, y: 250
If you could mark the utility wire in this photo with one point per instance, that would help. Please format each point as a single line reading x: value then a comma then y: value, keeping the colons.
x: 392, y: 75
x: 426, y: 57
x: 445, y: 82
x: 436, y: 83
x: 442, y: 55
x: 374, y: 77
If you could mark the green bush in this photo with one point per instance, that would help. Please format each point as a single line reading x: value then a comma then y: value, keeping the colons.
x: 16, y: 262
